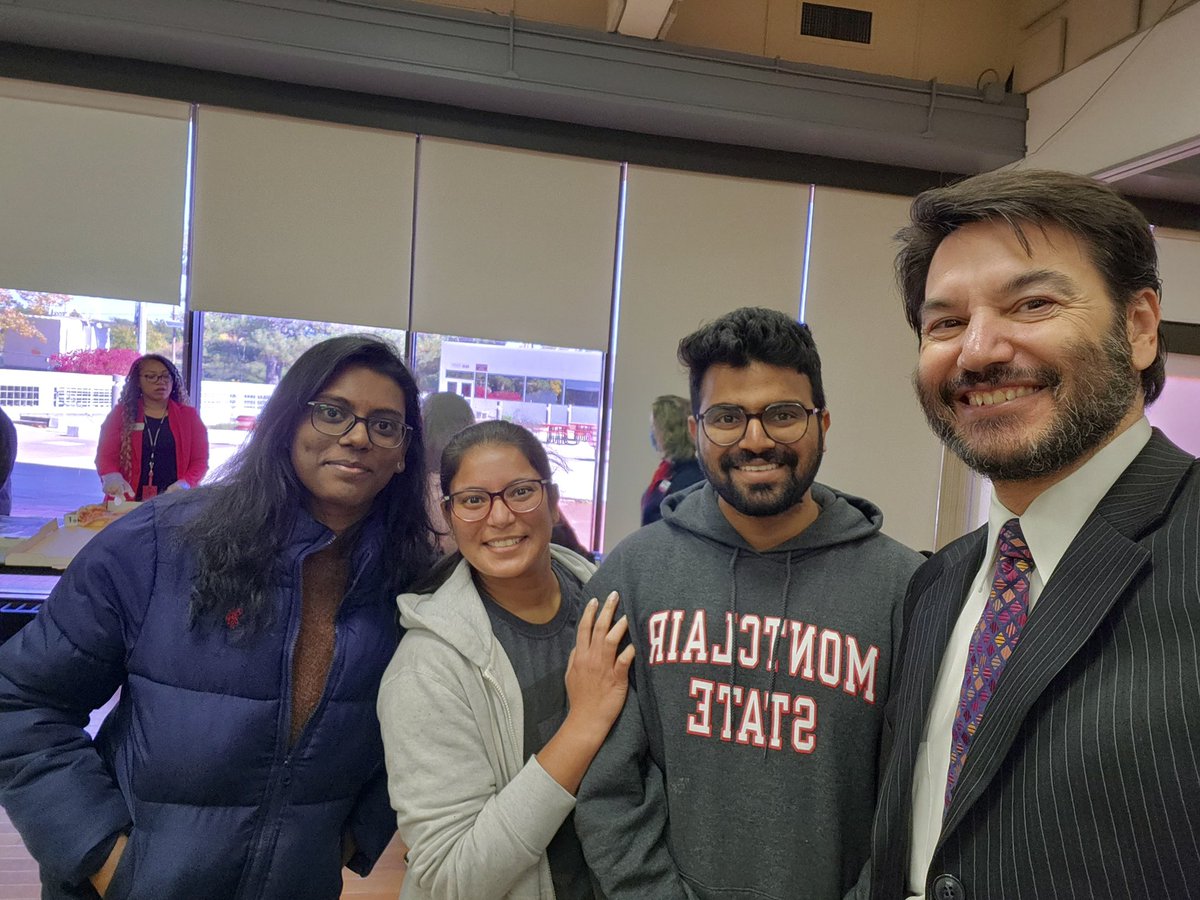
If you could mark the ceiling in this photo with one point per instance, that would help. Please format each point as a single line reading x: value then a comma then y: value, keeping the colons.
x: 1178, y: 180
x: 505, y: 66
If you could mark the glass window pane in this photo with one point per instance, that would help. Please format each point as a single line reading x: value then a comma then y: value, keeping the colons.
x: 552, y: 391
x: 243, y: 359
x: 64, y: 360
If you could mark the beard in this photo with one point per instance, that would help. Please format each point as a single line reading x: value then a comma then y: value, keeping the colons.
x: 1094, y: 385
x: 761, y: 500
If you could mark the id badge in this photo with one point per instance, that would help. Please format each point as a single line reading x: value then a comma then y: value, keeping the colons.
x: 148, y: 491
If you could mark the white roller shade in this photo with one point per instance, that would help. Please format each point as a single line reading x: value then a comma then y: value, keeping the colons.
x: 696, y: 247
x: 301, y: 219
x: 1179, y: 268
x: 879, y: 446
x: 514, y: 244
x: 91, y: 192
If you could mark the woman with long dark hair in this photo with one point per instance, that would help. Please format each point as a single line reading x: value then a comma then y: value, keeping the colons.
x: 503, y: 688
x: 152, y: 442
x: 247, y: 625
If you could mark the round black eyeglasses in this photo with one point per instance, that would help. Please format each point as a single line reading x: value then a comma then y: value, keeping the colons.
x: 475, y: 504
x: 387, y: 432
x: 784, y: 423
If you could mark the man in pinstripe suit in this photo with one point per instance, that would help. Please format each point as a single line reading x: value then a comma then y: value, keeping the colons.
x: 1035, y: 298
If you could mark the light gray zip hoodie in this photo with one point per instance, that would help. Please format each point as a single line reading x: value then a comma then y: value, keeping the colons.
x: 743, y: 764
x: 476, y: 817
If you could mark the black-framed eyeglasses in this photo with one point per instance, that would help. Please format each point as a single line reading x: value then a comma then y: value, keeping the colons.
x: 160, y: 378
x: 387, y: 432
x: 784, y: 423
x: 475, y: 504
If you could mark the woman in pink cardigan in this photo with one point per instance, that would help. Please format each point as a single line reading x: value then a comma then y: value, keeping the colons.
x: 152, y: 442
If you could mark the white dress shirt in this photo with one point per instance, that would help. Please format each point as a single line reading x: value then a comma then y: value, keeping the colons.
x: 1049, y: 525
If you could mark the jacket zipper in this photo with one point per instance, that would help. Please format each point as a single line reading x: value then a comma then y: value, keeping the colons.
x: 512, y: 732
x: 268, y: 829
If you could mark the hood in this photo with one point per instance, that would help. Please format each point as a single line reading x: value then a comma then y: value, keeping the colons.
x: 455, y: 613
x: 843, y: 518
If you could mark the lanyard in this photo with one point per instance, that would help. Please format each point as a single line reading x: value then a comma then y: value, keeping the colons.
x: 152, y: 437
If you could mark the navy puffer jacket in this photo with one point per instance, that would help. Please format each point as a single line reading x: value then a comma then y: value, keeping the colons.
x: 194, y: 761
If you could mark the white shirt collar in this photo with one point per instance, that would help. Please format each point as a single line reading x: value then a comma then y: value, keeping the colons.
x: 1058, y: 513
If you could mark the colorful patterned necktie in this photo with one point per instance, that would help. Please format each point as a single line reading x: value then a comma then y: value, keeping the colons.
x: 992, y: 643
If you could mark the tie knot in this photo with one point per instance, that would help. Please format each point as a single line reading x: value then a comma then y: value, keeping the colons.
x: 1012, y: 541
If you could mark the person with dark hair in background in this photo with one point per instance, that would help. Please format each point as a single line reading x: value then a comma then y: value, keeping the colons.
x: 503, y: 688
x: 152, y: 442
x: 564, y: 535
x: 8, y: 459
x: 247, y: 625
x: 1045, y: 718
x: 764, y: 608
x: 444, y: 415
x: 678, y: 469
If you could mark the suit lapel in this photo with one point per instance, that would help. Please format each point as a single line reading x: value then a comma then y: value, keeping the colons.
x: 1097, y: 569
x: 927, y: 628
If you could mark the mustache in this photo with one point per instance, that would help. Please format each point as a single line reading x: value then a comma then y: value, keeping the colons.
x: 777, y: 455
x: 999, y: 374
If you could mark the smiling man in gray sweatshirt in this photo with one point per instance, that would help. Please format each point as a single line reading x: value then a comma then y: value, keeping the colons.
x: 764, y: 608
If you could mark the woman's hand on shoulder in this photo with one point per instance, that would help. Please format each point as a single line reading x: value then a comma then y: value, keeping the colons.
x: 597, y: 681
x: 598, y: 670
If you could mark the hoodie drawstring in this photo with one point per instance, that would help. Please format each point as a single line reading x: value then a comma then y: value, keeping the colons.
x: 775, y: 650
x: 733, y: 611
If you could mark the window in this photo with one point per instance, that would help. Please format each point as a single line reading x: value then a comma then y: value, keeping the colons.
x: 552, y: 391
x: 243, y: 359
x: 19, y: 394
x: 64, y: 362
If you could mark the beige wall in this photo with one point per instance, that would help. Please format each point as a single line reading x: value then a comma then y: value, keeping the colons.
x: 696, y: 246
x: 1179, y: 268
x: 1128, y: 104
x: 1056, y: 36
x: 879, y: 446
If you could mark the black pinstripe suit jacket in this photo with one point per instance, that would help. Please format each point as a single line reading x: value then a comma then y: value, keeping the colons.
x: 1083, y: 780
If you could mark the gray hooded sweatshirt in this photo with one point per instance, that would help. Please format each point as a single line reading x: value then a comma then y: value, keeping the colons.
x: 744, y: 762
x: 475, y: 814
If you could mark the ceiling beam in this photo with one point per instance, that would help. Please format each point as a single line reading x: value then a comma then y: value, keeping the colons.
x: 504, y: 65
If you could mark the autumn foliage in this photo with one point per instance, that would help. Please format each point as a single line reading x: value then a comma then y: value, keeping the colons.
x: 94, y: 362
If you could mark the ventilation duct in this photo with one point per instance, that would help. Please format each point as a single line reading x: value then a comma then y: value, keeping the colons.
x: 648, y: 19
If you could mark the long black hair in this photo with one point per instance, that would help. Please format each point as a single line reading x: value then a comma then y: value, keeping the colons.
x: 256, y: 496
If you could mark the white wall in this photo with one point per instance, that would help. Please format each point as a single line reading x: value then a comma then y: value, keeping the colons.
x: 1179, y: 268
x: 879, y: 446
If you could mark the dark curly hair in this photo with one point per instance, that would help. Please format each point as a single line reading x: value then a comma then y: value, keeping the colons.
x: 1115, y: 234
x: 751, y: 334
x: 131, y: 396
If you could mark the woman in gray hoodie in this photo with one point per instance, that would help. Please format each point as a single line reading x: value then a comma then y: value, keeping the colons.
x: 503, y: 688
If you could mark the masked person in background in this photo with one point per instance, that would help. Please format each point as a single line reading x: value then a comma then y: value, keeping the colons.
x: 679, y: 468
